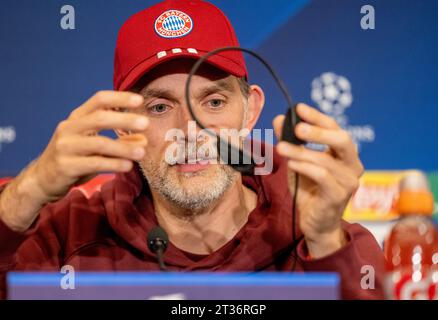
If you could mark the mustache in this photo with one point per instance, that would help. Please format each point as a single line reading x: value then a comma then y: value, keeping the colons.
x: 188, y: 152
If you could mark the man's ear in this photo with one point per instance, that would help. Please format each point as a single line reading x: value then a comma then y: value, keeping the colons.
x: 256, y: 101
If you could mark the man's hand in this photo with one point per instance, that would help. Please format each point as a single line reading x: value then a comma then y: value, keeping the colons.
x: 75, y: 154
x: 327, y: 179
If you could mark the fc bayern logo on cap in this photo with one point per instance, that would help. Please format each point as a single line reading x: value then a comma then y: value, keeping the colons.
x: 173, y: 24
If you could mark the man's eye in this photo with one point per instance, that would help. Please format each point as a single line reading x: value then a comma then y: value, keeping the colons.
x: 215, y: 103
x: 159, y: 108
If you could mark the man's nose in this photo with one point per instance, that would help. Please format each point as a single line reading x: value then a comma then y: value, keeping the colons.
x: 186, y: 122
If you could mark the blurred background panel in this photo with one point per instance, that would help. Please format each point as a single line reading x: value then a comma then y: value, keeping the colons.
x: 380, y: 84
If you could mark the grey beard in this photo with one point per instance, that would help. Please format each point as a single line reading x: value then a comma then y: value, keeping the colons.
x: 192, y: 202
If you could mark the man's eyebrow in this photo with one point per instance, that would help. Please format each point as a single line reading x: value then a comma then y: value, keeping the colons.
x: 221, y: 85
x: 158, y: 93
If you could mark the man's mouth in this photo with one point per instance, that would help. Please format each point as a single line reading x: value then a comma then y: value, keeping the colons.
x: 193, y: 167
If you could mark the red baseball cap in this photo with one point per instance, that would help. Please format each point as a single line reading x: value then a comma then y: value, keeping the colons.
x: 173, y: 29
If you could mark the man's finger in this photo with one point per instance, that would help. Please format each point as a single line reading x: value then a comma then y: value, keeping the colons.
x: 314, y: 117
x: 309, y: 115
x: 81, y: 166
x: 342, y: 174
x: 100, y: 145
x: 338, y: 140
x: 319, y: 176
x: 277, y: 123
x: 105, y: 120
x: 109, y: 99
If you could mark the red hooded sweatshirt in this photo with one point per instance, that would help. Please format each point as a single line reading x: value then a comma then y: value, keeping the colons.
x: 108, y: 231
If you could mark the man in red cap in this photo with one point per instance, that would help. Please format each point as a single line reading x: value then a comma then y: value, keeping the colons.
x: 216, y: 218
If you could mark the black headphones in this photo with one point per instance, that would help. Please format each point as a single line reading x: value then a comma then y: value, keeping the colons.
x: 290, y: 121
x: 287, y: 134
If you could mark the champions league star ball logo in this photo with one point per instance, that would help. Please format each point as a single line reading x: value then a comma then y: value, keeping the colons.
x: 173, y: 24
x: 332, y: 93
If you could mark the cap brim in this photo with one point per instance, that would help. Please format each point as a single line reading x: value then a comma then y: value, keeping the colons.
x: 218, y: 61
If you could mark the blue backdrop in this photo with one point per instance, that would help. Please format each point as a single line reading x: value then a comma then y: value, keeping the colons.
x: 380, y: 84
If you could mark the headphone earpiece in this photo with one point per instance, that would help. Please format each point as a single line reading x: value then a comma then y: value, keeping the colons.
x: 290, y: 122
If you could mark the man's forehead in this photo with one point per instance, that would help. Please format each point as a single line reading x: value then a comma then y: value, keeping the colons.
x: 183, y: 67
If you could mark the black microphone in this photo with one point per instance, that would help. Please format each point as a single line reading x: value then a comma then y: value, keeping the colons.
x: 157, y: 243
